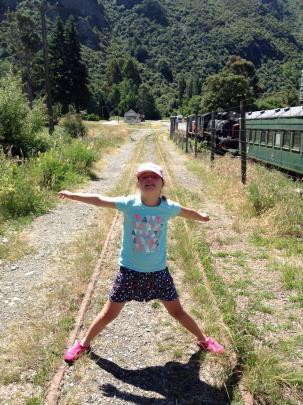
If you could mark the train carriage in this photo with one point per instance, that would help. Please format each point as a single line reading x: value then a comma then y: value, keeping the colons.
x: 276, y: 137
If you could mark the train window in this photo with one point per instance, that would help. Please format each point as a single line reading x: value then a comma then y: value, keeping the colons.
x: 258, y: 136
x: 296, y: 142
x: 286, y: 139
x: 250, y: 135
x: 263, y: 136
x: 278, y: 139
x: 269, y: 137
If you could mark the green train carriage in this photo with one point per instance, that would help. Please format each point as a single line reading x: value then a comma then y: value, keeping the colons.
x: 275, y: 137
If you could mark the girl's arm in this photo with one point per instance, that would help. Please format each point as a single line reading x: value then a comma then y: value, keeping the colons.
x: 192, y: 214
x: 95, y: 199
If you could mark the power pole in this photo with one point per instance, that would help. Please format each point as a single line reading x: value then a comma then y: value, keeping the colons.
x: 301, y: 91
x: 49, y: 101
x: 213, y: 135
x: 243, y: 141
x: 196, y: 133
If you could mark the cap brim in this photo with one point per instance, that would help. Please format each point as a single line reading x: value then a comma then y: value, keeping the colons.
x: 149, y: 171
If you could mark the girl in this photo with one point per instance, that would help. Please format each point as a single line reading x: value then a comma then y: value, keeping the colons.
x: 143, y: 274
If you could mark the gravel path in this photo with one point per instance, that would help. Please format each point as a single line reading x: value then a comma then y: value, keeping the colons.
x: 49, y: 233
x: 143, y: 357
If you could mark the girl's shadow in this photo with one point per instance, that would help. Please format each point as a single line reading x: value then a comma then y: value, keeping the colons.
x: 178, y: 383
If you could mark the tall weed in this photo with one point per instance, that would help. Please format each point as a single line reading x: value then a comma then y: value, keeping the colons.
x: 73, y: 124
x: 64, y: 165
x: 269, y: 195
x: 20, y: 126
x: 20, y: 195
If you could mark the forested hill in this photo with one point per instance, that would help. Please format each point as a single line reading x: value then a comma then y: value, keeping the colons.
x: 199, y: 35
x: 191, y: 37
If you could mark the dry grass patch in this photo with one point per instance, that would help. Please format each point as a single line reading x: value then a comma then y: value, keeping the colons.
x: 14, y: 246
x: 265, y: 371
x: 33, y: 347
x: 268, y: 201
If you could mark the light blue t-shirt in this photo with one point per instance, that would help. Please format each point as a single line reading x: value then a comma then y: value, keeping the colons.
x: 144, y: 233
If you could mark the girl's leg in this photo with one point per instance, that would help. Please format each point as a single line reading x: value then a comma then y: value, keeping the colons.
x: 109, y: 312
x: 175, y: 309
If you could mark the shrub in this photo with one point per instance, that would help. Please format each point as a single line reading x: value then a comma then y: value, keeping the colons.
x: 270, y: 193
x: 20, y: 195
x: 19, y: 124
x: 79, y: 156
x: 51, y: 170
x: 91, y: 117
x: 64, y: 165
x: 73, y: 124
x: 13, y: 111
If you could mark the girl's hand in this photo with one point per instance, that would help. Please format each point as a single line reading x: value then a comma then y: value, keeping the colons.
x: 64, y: 194
x: 193, y: 214
x: 204, y: 216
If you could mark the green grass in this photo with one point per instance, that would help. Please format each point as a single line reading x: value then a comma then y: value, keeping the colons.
x: 264, y: 373
x: 34, y: 401
x: 268, y: 295
x: 155, y: 304
x: 290, y: 245
x: 261, y: 307
x: 178, y: 353
x: 31, y: 189
x: 291, y: 277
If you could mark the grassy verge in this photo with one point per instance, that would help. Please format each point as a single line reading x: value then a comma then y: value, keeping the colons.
x: 30, y: 189
x: 269, y: 200
x: 31, y: 349
x: 265, y: 372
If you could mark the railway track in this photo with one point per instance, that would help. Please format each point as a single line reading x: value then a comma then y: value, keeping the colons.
x: 227, y: 338
x: 54, y: 388
x: 53, y: 392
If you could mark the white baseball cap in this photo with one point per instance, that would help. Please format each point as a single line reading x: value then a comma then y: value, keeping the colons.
x: 150, y: 167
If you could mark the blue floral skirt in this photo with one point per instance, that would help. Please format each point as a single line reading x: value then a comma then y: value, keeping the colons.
x: 138, y: 286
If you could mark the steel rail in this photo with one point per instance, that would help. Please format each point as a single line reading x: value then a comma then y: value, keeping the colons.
x: 53, y: 391
x: 226, y: 338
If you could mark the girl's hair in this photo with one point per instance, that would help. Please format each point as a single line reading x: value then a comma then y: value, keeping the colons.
x: 163, y: 196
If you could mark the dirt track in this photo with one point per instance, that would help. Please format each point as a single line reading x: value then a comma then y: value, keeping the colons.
x: 143, y: 357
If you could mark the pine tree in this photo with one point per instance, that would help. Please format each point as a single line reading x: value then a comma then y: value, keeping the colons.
x: 114, y: 98
x: 196, y: 86
x: 131, y: 72
x: 128, y: 96
x: 165, y: 70
x: 146, y: 102
x: 78, y: 76
x: 23, y: 42
x: 59, y: 70
x: 113, y: 72
x: 189, y: 88
x: 181, y: 87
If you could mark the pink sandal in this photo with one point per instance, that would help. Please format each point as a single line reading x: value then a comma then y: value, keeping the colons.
x: 210, y: 345
x: 75, y: 351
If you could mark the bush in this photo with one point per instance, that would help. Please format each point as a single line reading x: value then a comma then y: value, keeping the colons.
x: 73, y: 124
x: 270, y: 193
x: 19, y: 124
x: 79, y: 156
x: 266, y: 189
x: 20, y: 195
x: 64, y: 165
x: 90, y: 117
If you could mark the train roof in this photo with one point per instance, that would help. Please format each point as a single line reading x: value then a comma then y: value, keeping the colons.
x: 276, y: 113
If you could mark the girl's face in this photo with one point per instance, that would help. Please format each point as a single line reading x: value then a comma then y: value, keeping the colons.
x: 150, y: 183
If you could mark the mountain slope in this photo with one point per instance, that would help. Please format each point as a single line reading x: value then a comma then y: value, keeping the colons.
x: 189, y: 36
